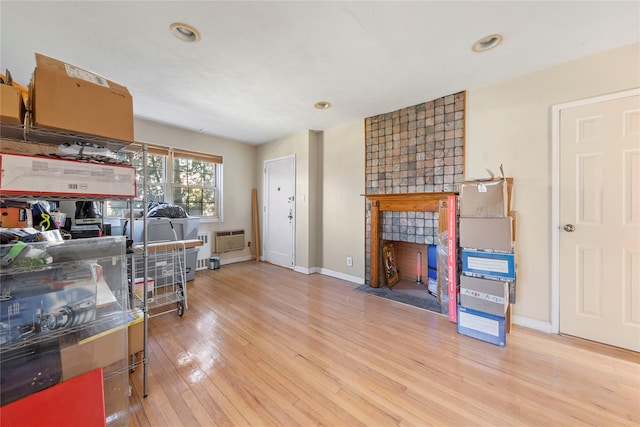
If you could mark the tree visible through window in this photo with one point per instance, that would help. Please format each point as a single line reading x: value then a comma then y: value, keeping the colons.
x: 194, y: 186
x: 195, y: 181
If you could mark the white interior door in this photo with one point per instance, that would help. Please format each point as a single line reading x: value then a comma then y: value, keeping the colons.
x: 279, y: 211
x: 599, y: 271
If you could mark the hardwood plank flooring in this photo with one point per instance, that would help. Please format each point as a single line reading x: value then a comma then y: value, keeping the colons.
x: 262, y: 345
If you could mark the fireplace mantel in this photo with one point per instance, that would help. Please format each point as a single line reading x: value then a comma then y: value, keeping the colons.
x: 403, y: 202
x: 408, y: 202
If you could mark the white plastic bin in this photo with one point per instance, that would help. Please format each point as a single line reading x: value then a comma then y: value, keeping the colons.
x: 159, y: 229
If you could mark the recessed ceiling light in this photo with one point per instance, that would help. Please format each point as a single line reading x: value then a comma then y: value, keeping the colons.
x: 487, y: 43
x: 184, y: 32
x: 322, y: 105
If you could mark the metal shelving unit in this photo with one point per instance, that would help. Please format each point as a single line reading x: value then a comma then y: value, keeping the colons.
x: 33, y: 135
x: 111, y: 319
x: 27, y: 133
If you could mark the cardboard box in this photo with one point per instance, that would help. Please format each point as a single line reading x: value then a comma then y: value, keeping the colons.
x: 136, y: 331
x: 488, y: 265
x: 512, y: 292
x: 22, y: 174
x: 486, y: 199
x: 138, y: 287
x: 67, y: 98
x: 16, y: 218
x: 11, y: 105
x: 488, y: 296
x: 493, y: 234
x: 482, y: 326
x: 104, y: 350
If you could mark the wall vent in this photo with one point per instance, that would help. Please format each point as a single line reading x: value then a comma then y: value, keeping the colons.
x: 229, y: 240
x: 204, y: 252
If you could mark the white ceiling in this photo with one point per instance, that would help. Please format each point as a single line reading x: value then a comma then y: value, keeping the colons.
x: 260, y: 66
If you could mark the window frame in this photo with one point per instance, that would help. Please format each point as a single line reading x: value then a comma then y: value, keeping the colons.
x: 217, y: 175
x: 169, y: 155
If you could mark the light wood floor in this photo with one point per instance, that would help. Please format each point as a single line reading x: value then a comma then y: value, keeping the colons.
x: 265, y: 346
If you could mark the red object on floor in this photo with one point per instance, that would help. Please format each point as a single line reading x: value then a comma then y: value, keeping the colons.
x: 452, y: 258
x: 75, y: 402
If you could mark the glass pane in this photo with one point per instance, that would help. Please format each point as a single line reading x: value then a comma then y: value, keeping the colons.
x: 179, y: 195
x: 209, y: 195
x: 155, y: 193
x: 194, y: 195
x: 194, y: 210
x: 209, y: 209
x: 155, y: 178
x: 155, y: 168
x: 179, y: 173
x: 210, y: 180
x: 115, y: 208
x: 193, y: 186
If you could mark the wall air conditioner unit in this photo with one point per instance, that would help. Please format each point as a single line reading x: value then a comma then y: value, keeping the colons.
x: 229, y: 240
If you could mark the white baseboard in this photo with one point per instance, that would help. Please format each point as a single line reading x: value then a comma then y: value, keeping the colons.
x: 342, y: 276
x: 528, y: 322
x: 238, y: 259
x: 324, y: 271
x: 303, y: 270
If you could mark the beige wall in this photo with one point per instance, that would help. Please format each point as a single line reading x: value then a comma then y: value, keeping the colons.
x: 509, y: 123
x: 239, y: 174
x: 342, y: 205
x: 314, y: 200
x: 330, y: 178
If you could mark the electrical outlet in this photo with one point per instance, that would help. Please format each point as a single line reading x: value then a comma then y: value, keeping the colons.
x: 349, y: 261
x: 248, y: 244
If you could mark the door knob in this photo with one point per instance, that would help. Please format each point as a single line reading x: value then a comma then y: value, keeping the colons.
x: 570, y: 228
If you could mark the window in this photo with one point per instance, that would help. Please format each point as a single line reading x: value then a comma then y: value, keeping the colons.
x: 194, y: 186
x: 196, y: 183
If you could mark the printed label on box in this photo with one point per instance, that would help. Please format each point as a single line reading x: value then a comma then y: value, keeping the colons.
x: 81, y: 74
x: 482, y: 295
x: 487, y: 264
x: 480, y: 324
x: 36, y: 175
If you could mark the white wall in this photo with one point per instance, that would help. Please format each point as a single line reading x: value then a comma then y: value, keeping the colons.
x: 509, y: 123
x: 239, y: 174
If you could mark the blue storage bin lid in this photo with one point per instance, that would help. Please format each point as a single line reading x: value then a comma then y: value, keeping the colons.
x: 432, y: 256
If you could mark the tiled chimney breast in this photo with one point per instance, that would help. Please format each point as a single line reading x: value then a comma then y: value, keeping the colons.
x: 413, y: 150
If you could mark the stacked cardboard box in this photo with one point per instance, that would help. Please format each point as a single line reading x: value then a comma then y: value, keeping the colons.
x: 488, y: 259
x: 12, y: 106
x: 68, y: 98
